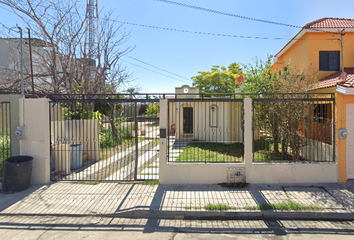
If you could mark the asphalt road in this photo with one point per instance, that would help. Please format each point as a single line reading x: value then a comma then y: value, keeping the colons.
x: 53, y: 227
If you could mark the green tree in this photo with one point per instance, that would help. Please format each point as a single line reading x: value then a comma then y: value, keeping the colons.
x: 281, y: 118
x: 219, y: 79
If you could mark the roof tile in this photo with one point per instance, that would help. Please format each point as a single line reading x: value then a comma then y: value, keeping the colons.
x: 331, y: 23
x: 336, y: 79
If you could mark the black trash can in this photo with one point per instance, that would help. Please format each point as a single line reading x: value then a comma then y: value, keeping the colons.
x: 17, y: 174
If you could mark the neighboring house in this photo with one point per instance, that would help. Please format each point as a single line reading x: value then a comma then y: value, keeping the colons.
x: 10, y: 65
x: 212, y: 120
x: 317, y: 49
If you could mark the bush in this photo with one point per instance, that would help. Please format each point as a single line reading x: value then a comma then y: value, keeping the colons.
x: 107, y: 139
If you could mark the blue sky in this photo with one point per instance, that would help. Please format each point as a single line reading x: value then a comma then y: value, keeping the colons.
x: 187, y: 53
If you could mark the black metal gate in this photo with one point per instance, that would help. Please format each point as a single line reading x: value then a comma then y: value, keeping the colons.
x: 104, y: 137
x: 5, y: 134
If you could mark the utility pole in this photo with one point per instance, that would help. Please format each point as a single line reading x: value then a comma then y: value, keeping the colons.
x: 21, y: 42
x: 341, y: 41
x: 30, y: 52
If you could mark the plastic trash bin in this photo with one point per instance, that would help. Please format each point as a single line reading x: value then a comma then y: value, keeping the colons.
x: 17, y: 174
x: 76, y: 156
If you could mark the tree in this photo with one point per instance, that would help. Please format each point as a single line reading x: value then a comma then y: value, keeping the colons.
x: 219, y: 79
x: 63, y: 61
x: 283, y: 119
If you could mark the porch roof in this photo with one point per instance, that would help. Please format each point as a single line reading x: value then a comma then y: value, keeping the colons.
x: 336, y: 79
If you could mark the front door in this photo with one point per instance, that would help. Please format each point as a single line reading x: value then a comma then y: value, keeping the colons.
x: 187, y: 120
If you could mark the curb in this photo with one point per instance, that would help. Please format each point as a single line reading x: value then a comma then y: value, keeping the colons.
x: 201, y: 215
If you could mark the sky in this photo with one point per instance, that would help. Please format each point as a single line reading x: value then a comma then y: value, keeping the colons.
x: 164, y: 59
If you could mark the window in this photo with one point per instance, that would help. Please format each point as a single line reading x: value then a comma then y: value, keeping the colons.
x: 213, y: 116
x: 329, y: 61
x: 322, y: 113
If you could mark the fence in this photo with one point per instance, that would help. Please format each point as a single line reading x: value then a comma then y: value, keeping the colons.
x: 5, y: 134
x: 205, y: 129
x: 294, y: 128
x: 104, y: 137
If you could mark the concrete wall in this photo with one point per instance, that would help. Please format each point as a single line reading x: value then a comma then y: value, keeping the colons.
x: 186, y: 173
x: 14, y: 121
x: 35, y: 117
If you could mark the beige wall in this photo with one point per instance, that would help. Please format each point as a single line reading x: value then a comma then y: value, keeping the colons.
x: 186, y: 173
x: 34, y: 116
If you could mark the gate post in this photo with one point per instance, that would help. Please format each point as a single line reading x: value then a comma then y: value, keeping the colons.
x: 35, y: 117
x: 163, y: 141
x: 248, y: 135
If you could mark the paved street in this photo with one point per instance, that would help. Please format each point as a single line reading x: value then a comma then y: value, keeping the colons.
x: 135, y: 211
x: 53, y: 227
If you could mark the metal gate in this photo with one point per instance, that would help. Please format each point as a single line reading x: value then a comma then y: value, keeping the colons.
x: 104, y: 137
x: 5, y: 134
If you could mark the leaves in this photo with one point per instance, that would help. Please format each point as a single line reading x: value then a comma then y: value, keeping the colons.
x: 219, y: 79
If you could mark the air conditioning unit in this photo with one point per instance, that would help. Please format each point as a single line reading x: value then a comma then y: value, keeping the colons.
x: 236, y: 175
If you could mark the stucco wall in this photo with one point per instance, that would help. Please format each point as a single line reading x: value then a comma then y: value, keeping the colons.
x: 341, y: 122
x: 35, y: 117
x: 186, y: 173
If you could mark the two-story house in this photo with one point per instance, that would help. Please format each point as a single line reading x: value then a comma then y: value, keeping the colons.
x: 325, y: 48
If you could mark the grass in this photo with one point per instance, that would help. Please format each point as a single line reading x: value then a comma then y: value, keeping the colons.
x: 200, y: 151
x: 289, y: 205
x: 264, y: 152
x: 150, y: 182
x: 5, y: 152
x: 89, y: 182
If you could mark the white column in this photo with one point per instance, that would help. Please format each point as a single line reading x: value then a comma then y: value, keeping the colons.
x: 34, y: 115
x: 163, y: 141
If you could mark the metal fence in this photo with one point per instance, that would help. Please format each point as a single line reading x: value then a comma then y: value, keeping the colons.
x: 294, y: 128
x: 104, y: 137
x: 205, y: 129
x: 5, y: 134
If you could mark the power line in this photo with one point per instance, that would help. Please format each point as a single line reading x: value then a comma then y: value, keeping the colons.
x: 227, y: 14
x: 159, y: 68
x: 212, y: 34
x: 155, y: 72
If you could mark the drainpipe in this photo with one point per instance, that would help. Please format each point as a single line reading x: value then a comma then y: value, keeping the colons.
x: 21, y: 42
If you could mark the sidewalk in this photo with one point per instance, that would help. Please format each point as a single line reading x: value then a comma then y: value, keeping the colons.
x: 336, y: 201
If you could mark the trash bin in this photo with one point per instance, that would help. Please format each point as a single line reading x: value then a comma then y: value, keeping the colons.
x: 17, y: 174
x: 75, y: 156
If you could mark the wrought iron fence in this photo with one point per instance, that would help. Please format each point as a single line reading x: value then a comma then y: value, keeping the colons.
x: 5, y: 134
x: 294, y: 128
x: 205, y: 129
x: 104, y: 137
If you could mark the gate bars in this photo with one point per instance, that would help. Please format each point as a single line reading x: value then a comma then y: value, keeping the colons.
x: 5, y: 134
x: 294, y: 128
x: 205, y: 130
x: 104, y: 137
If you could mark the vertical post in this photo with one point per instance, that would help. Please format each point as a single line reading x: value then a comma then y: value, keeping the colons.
x: 30, y: 53
x: 248, y: 133
x: 21, y: 43
x: 341, y: 41
x: 136, y: 145
x: 163, y: 151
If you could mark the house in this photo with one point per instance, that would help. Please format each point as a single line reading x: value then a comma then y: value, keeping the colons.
x: 324, y: 48
x: 211, y: 119
x: 53, y: 72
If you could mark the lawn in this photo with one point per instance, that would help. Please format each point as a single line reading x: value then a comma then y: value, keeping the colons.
x: 200, y: 151
x: 264, y: 152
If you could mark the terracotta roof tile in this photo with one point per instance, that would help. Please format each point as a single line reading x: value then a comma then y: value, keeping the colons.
x: 331, y: 23
x: 336, y: 79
